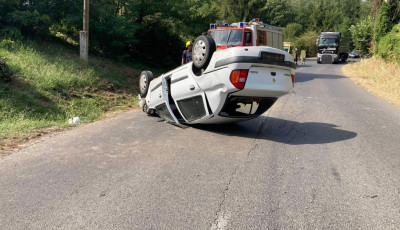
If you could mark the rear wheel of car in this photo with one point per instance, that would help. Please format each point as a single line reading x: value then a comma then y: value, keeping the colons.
x: 203, y: 49
x: 144, y: 82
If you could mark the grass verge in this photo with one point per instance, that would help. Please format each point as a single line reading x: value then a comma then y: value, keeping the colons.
x: 377, y: 77
x: 49, y: 85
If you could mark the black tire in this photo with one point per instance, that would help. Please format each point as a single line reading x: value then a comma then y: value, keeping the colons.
x: 144, y: 82
x: 345, y: 57
x: 203, y: 49
x: 149, y: 112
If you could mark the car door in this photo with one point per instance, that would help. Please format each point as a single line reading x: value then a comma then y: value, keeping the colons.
x: 189, y: 98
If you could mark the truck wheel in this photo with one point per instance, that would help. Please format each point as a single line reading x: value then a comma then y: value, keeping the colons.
x: 203, y: 49
x: 144, y: 82
x: 345, y: 57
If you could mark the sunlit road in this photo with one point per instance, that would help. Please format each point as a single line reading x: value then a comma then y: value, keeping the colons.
x: 325, y: 157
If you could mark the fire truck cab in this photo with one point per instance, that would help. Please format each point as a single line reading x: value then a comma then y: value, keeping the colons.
x: 253, y: 33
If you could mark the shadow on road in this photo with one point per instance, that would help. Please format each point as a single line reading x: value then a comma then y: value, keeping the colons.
x: 283, y: 131
x: 304, y: 77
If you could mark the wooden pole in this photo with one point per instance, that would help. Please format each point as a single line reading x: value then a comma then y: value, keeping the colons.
x: 86, y: 15
x: 84, y: 34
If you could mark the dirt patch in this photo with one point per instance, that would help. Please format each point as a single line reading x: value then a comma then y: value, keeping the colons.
x: 13, y: 143
x: 377, y: 77
x: 10, y: 144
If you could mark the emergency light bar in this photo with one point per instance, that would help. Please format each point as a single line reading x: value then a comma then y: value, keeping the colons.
x: 213, y: 26
x: 241, y: 25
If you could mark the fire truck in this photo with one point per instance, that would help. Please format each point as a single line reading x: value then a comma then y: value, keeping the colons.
x: 253, y: 33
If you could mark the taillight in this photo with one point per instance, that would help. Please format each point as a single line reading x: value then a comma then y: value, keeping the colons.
x: 238, y: 77
x: 292, y: 79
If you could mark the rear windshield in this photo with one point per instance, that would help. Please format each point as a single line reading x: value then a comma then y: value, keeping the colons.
x: 227, y: 37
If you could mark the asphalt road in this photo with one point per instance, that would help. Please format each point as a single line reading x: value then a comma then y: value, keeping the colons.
x: 325, y: 157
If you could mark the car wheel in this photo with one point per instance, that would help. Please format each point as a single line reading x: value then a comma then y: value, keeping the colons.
x: 203, y: 49
x: 149, y: 112
x: 144, y: 82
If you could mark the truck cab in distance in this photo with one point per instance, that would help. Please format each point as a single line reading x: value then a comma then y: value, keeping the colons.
x: 332, y: 48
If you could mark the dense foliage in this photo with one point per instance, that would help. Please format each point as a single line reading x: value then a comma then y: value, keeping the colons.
x: 389, y: 45
x: 154, y: 32
x: 362, y: 35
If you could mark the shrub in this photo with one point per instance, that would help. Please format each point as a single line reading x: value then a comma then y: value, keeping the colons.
x: 292, y: 30
x: 384, y: 22
x: 362, y: 35
x: 389, y: 45
x: 307, y: 41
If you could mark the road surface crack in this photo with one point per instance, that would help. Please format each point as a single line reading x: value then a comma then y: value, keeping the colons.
x: 222, y: 217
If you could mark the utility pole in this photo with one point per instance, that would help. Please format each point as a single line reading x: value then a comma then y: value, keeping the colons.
x: 84, y: 34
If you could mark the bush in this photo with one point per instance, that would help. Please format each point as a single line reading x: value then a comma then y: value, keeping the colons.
x: 389, y: 45
x: 384, y: 22
x: 156, y: 44
x: 292, y: 30
x: 362, y: 35
x: 307, y: 41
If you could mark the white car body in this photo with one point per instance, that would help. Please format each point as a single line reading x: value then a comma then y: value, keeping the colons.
x: 180, y: 96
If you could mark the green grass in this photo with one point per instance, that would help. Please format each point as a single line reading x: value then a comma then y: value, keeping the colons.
x: 50, y: 84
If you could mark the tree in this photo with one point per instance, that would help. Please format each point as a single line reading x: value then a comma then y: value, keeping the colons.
x: 362, y: 35
x: 383, y: 25
x: 277, y: 13
x: 292, y: 30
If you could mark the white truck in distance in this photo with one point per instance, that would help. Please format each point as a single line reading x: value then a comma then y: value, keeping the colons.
x: 238, y: 72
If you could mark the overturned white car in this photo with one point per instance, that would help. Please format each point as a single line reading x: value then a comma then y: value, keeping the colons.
x: 238, y: 72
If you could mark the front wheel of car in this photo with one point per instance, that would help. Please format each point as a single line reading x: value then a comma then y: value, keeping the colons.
x: 144, y: 82
x: 203, y: 49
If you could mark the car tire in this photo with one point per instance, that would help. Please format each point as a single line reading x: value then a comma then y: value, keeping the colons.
x: 203, y: 49
x: 144, y: 82
x: 149, y: 112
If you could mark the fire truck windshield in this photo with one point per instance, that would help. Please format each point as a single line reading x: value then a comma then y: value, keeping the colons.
x: 227, y: 37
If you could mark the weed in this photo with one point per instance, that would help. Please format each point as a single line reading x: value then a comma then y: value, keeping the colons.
x: 50, y: 84
x: 376, y: 76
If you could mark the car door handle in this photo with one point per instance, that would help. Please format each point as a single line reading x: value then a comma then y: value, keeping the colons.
x: 192, y: 87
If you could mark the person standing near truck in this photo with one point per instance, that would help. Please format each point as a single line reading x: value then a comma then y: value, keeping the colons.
x: 303, y: 57
x: 187, y: 54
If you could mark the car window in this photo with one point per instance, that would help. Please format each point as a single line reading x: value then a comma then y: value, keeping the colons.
x: 220, y: 36
x: 236, y: 37
x: 261, y: 37
x: 164, y: 113
x: 227, y: 37
x: 192, y: 108
x: 248, y: 39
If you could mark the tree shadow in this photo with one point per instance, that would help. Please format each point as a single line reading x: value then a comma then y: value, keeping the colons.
x: 20, y: 97
x: 283, y: 131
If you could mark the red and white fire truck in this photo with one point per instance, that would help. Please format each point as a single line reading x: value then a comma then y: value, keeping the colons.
x: 254, y: 33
